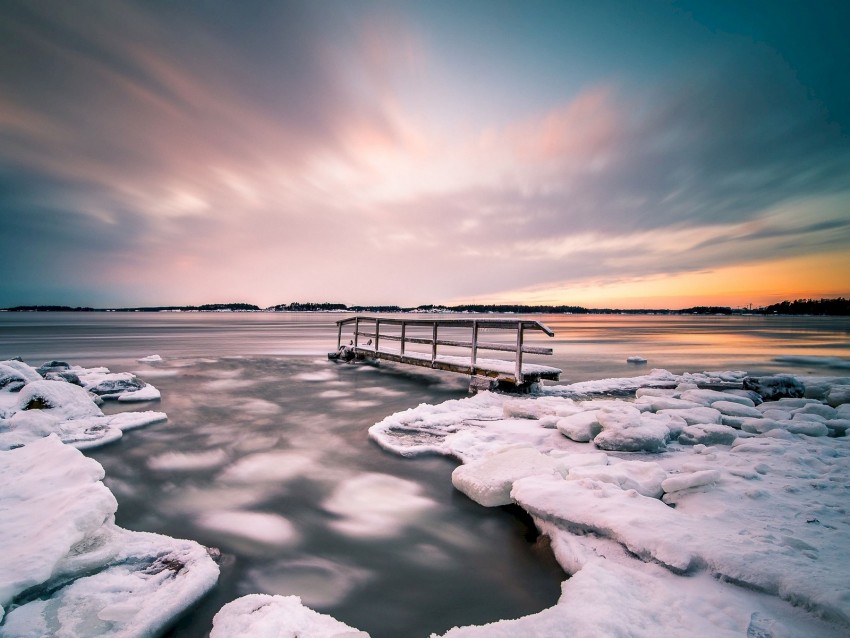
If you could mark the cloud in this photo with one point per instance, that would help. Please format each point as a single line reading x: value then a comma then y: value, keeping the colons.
x: 165, y: 154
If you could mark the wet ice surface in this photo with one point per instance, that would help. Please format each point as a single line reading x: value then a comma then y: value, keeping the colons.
x: 269, y: 460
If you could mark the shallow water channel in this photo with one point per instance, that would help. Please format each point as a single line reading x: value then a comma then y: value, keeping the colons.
x: 268, y: 459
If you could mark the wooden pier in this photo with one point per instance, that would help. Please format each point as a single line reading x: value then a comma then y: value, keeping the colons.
x: 387, y: 339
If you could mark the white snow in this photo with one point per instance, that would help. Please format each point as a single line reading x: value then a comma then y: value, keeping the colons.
x: 264, y: 616
x: 152, y: 358
x: 749, y: 535
x: 57, y: 406
x: 68, y: 570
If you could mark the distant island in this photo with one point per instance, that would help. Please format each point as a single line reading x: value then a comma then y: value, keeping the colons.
x: 822, y: 307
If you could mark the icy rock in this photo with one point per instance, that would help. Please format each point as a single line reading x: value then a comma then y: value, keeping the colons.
x: 265, y: 616
x: 116, y: 383
x: 762, y: 426
x: 67, y: 376
x: 15, y: 374
x: 635, y: 359
x: 581, y: 427
x: 838, y: 395
x: 679, y: 482
x: 655, y: 403
x: 708, y: 434
x: 804, y: 416
x: 755, y: 397
x: 695, y: 416
x: 153, y: 358
x: 539, y: 408
x: 488, y: 481
x: 731, y: 408
x: 147, y: 393
x: 808, y: 428
x: 53, y: 366
x: 63, y: 399
x: 644, y: 477
x: 775, y: 387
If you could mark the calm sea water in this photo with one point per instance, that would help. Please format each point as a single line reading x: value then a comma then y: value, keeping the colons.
x: 260, y: 423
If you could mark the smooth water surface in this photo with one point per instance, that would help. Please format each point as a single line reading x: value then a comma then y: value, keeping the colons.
x: 265, y: 454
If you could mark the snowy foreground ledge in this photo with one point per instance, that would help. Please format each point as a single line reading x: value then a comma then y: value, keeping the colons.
x: 64, y: 400
x: 730, y: 521
x: 68, y: 570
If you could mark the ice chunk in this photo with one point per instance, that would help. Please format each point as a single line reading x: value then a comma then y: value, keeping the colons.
x: 152, y: 358
x: 488, y: 481
x: 635, y: 359
x: 258, y: 527
x: 275, y: 467
x: 732, y: 408
x: 695, y: 416
x: 708, y: 434
x: 147, y: 393
x: 707, y: 397
x: 642, y: 476
x: 188, y: 460
x: 819, y: 409
x: 68, y: 570
x: 627, y: 430
x: 581, y: 427
x: 655, y: 403
x: 376, y: 505
x: 690, y: 480
x: 838, y: 395
x: 111, y: 384
x: 264, y: 616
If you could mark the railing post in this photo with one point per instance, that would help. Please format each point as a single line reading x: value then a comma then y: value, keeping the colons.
x: 403, y: 326
x: 377, y: 333
x: 338, y: 335
x: 519, y: 353
x: 434, y: 345
x: 474, y: 343
x: 356, y: 330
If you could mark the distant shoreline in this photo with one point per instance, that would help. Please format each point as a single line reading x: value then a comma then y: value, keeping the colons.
x: 839, y: 307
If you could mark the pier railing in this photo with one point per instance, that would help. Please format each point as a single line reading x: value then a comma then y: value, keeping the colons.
x: 371, y: 328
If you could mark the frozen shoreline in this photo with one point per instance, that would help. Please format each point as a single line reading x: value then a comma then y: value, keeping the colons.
x: 680, y: 510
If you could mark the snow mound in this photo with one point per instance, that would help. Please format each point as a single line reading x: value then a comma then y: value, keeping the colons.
x: 265, y: 616
x: 57, y: 405
x: 488, y: 481
x: 68, y: 569
x: 644, y: 477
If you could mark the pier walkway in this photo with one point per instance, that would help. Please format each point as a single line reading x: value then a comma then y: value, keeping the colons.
x: 418, y: 342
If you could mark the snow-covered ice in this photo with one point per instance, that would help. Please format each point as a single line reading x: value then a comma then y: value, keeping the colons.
x: 68, y: 570
x: 66, y: 403
x: 737, y: 524
x: 264, y: 616
x: 153, y: 358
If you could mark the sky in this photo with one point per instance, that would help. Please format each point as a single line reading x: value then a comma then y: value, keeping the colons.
x: 600, y: 153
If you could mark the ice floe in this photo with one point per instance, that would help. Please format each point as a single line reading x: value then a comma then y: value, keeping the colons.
x: 735, y: 525
x: 68, y: 570
x: 65, y: 402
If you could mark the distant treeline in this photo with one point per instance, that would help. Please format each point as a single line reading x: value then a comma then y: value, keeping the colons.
x: 833, y: 307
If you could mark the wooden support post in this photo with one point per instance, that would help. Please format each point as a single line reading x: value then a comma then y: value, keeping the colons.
x: 403, y: 326
x: 474, y: 344
x: 519, y: 353
x: 338, y: 335
x: 377, y: 333
x: 356, y: 330
x: 434, y: 345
